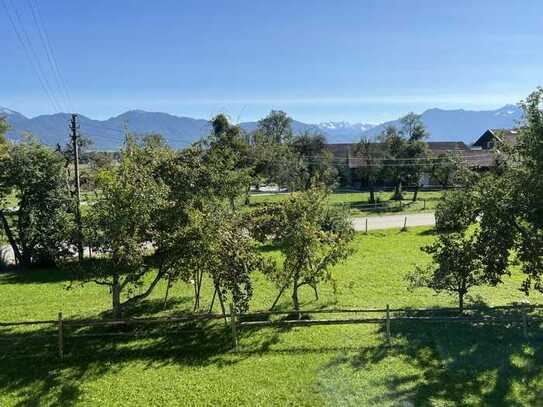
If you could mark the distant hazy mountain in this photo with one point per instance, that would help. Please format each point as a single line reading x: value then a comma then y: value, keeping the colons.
x: 460, y: 125
x: 445, y: 125
x: 108, y: 134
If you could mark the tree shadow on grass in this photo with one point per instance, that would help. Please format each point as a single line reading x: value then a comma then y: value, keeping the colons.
x: 68, y: 272
x: 428, y: 232
x: 458, y: 363
x: 35, y: 275
x: 31, y: 370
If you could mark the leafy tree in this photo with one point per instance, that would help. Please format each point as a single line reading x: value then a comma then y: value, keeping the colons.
x: 83, y: 144
x: 312, y: 238
x: 274, y: 163
x: 100, y: 160
x: 508, y: 211
x: 4, y: 149
x: 276, y: 128
x: 407, y: 153
x: 393, y: 168
x: 4, y: 127
x: 192, y: 183
x: 196, y: 236
x: 228, y: 150
x: 444, y: 168
x: 4, y: 187
x: 214, y: 242
x: 288, y: 168
x: 456, y: 211
x: 413, y: 128
x: 415, y: 149
x: 43, y: 224
x: 457, y: 266
x: 370, y: 168
x: 119, y: 225
x: 343, y: 170
x: 318, y: 168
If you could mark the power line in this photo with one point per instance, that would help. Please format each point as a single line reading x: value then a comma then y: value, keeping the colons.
x: 50, y: 53
x: 403, y: 160
x: 390, y: 163
x: 29, y: 53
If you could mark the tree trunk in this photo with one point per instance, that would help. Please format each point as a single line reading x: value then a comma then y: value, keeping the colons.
x: 23, y: 221
x: 223, y: 309
x: 11, y: 239
x: 283, y: 288
x: 461, y: 302
x: 248, y: 196
x: 116, y: 297
x: 167, y: 292
x: 314, y: 286
x: 372, y: 194
x: 398, y: 191
x: 213, y: 300
x: 26, y: 258
x: 416, y: 193
x: 295, y: 300
x: 197, y: 290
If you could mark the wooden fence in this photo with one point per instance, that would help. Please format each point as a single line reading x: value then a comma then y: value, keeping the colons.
x: 396, y: 206
x: 238, y: 321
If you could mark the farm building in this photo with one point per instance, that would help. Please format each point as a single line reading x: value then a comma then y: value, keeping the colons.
x: 491, y: 137
x: 478, y: 156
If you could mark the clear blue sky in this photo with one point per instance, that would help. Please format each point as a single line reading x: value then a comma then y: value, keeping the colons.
x: 358, y: 60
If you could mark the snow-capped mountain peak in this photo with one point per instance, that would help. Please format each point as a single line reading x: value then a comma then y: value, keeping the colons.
x: 342, y: 125
x: 507, y: 110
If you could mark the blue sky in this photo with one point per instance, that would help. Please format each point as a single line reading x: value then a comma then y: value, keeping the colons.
x: 361, y: 61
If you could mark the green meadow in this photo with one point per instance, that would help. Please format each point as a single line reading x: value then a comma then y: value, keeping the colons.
x: 426, y: 364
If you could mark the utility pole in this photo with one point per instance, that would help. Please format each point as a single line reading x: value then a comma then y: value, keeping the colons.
x: 74, y: 127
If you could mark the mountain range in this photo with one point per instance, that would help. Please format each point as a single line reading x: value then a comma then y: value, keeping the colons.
x: 443, y: 125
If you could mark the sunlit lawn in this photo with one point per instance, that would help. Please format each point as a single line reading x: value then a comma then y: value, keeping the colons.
x: 426, y: 364
x: 357, y: 202
x: 11, y: 200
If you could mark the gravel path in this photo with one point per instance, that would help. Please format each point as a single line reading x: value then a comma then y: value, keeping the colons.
x: 394, y: 221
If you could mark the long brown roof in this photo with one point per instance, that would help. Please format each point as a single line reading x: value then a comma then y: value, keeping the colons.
x: 345, y: 152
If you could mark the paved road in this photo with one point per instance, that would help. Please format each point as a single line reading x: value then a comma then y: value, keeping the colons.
x: 394, y: 221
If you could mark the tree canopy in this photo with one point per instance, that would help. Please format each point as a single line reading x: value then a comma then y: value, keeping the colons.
x: 311, y: 236
x: 505, y: 207
x: 42, y: 227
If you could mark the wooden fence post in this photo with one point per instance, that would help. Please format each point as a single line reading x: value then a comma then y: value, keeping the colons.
x: 233, y: 324
x: 366, y: 226
x: 404, y: 224
x: 60, y: 336
x: 388, y: 323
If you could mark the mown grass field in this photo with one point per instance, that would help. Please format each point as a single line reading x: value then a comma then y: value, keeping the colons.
x: 11, y: 200
x: 349, y: 365
x: 357, y: 202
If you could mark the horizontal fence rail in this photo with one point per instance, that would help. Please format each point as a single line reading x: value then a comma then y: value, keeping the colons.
x: 239, y: 321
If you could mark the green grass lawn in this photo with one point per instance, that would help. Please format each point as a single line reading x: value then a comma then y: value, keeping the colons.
x: 347, y: 365
x: 11, y: 200
x: 357, y: 202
